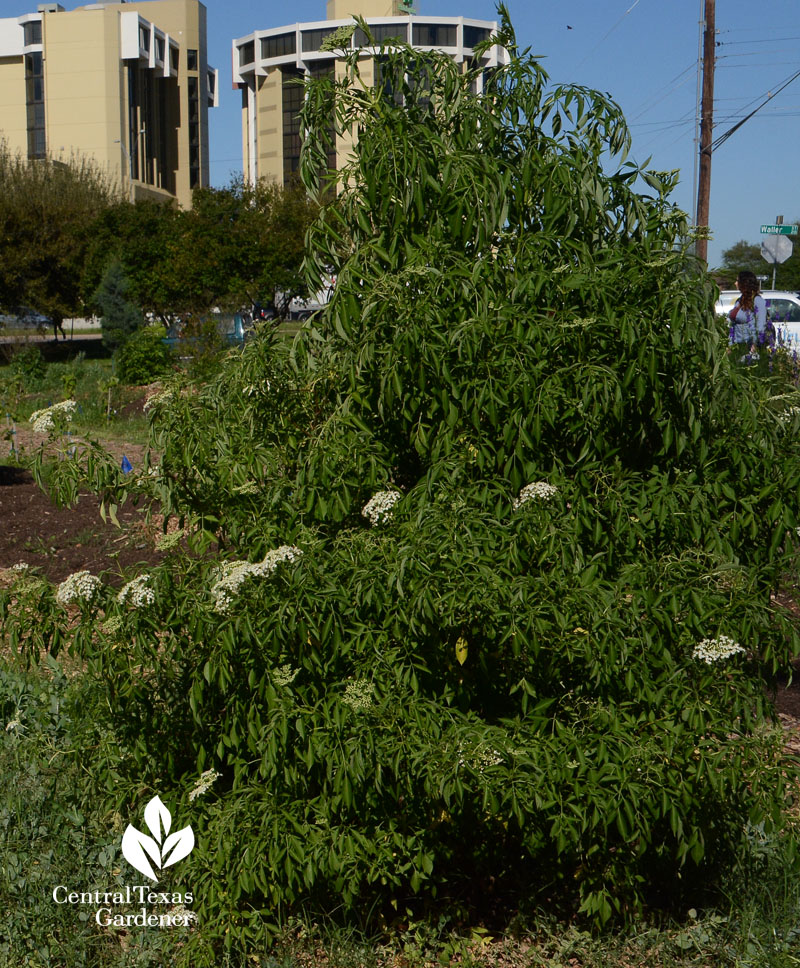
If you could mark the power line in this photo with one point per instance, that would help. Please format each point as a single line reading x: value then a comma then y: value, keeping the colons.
x: 763, y: 40
x: 647, y: 106
x: 603, y: 39
x: 724, y: 137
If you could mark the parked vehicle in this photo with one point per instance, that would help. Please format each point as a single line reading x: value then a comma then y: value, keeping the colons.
x: 25, y: 318
x: 298, y: 308
x: 783, y: 311
x: 234, y: 329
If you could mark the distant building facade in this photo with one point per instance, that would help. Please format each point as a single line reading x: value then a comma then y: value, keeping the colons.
x: 125, y: 83
x: 267, y: 64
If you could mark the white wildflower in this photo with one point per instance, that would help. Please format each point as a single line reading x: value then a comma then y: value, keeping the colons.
x: 539, y: 490
x: 13, y: 725
x: 45, y: 420
x: 82, y: 586
x: 181, y: 916
x: 714, y: 650
x: 233, y: 574
x: 249, y: 487
x: 21, y: 566
x: 479, y: 758
x: 379, y: 507
x: 166, y: 542
x: 158, y: 399
x: 359, y: 694
x: 112, y: 625
x: 137, y: 593
x: 284, y: 675
x: 204, y: 784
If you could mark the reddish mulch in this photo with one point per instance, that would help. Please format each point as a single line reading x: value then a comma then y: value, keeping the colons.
x: 60, y: 541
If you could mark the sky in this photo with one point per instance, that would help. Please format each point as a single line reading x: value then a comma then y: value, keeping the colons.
x: 644, y: 53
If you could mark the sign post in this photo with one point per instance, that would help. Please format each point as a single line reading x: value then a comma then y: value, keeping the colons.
x: 776, y: 249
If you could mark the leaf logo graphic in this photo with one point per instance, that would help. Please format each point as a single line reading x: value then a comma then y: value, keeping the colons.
x: 162, y: 849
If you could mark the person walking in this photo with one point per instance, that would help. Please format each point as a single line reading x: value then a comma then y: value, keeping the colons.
x: 57, y: 320
x: 749, y: 314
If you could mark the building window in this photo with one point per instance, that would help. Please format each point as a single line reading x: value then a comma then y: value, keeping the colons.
x: 247, y: 53
x: 389, y: 80
x: 193, y: 89
x: 319, y: 69
x: 174, y: 58
x: 33, y: 33
x: 144, y: 38
x: 435, y: 35
x: 292, y: 101
x: 382, y: 34
x: 279, y: 46
x: 160, y: 49
x: 34, y: 97
x: 191, y: 60
x: 312, y: 39
x: 475, y: 35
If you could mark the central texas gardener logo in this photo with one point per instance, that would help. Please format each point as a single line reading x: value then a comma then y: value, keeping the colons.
x: 161, y: 850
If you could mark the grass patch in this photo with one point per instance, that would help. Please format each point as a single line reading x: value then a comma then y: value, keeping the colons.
x: 90, y: 383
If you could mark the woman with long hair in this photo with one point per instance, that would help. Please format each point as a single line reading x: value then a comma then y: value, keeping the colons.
x: 749, y: 314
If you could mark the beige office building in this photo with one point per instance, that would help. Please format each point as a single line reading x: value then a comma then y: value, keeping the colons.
x: 124, y: 83
x: 268, y: 63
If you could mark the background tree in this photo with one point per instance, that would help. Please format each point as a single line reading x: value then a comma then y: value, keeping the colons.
x: 120, y: 317
x: 235, y: 246
x: 137, y: 237
x: 746, y: 255
x: 47, y: 211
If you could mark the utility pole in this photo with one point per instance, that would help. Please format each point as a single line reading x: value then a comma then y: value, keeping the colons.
x: 706, y: 128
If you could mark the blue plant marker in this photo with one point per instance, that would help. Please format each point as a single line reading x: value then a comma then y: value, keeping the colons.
x: 127, y: 467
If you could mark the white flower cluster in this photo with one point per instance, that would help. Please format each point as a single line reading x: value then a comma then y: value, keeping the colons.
x: 359, y: 694
x: 166, y: 542
x: 82, y: 586
x: 14, y: 724
x: 21, y: 566
x: 714, y: 650
x: 112, y: 625
x: 249, y: 487
x: 137, y: 593
x: 233, y: 574
x: 181, y: 915
x: 45, y: 420
x: 539, y: 491
x: 158, y: 399
x: 379, y: 507
x: 284, y: 675
x: 479, y: 758
x: 204, y: 784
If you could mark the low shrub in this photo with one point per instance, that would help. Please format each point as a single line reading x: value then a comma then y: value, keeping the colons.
x: 490, y: 616
x: 28, y: 362
x: 143, y: 358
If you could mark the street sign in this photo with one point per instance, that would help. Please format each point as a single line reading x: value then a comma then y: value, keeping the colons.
x: 779, y: 229
x: 776, y: 248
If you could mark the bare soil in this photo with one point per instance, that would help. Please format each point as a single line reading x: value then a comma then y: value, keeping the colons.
x: 59, y: 541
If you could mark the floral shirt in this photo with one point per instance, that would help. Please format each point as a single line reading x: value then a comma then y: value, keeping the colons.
x: 749, y: 325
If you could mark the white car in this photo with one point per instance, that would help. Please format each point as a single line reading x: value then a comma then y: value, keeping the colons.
x: 783, y: 311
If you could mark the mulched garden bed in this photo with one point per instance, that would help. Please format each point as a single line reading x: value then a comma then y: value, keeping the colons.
x: 60, y: 541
